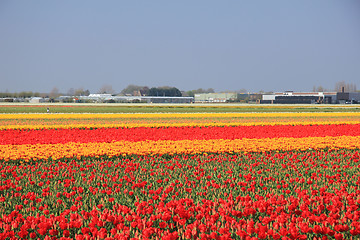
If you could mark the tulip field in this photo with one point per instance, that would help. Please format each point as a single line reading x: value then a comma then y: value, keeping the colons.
x: 224, y: 175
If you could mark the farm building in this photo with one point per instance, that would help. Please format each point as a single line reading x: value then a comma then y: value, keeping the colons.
x: 215, y: 97
x: 348, y: 97
x: 290, y: 97
x: 153, y: 99
x: 124, y: 99
x: 36, y: 100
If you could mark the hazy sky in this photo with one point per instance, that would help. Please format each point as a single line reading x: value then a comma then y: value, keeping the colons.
x: 226, y: 45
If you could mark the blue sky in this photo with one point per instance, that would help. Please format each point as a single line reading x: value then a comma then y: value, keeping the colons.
x: 226, y: 45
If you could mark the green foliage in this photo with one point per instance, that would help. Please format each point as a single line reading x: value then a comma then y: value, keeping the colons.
x: 165, y: 92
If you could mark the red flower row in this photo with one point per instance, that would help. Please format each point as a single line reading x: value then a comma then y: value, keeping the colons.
x: 53, y: 136
x: 291, y: 195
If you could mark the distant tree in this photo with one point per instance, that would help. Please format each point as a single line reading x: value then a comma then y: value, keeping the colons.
x: 7, y: 94
x: 242, y: 90
x: 82, y: 92
x: 26, y: 94
x: 319, y: 89
x: 71, y: 92
x: 154, y: 92
x: 188, y: 93
x: 165, y: 92
x: 210, y: 90
x: 192, y: 93
x: 106, y: 89
x: 54, y: 93
x: 349, y: 87
x: 200, y: 90
x: 130, y: 89
x: 78, y: 92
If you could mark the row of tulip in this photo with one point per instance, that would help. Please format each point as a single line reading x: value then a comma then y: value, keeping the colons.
x: 193, y: 106
x: 54, y: 136
x: 58, y: 143
x: 55, y: 121
x: 58, y: 151
x: 291, y: 195
x: 174, y: 115
x: 170, y: 123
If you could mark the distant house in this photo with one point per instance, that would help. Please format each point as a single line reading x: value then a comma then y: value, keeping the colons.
x: 36, y: 100
x: 100, y: 95
x: 215, y: 97
x: 7, y: 99
x: 348, y: 97
x: 290, y: 97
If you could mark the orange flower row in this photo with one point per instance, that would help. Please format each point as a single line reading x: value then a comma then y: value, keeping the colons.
x: 183, y: 124
x: 174, y: 115
x: 69, y: 150
x: 55, y: 121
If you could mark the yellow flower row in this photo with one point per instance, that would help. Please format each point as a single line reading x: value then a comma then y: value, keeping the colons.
x: 173, y: 115
x: 226, y: 105
x: 184, y: 124
x: 69, y: 150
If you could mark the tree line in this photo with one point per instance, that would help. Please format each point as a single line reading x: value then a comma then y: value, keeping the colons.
x: 154, y: 91
x: 24, y: 94
x: 348, y: 87
x: 162, y: 91
x: 165, y: 91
